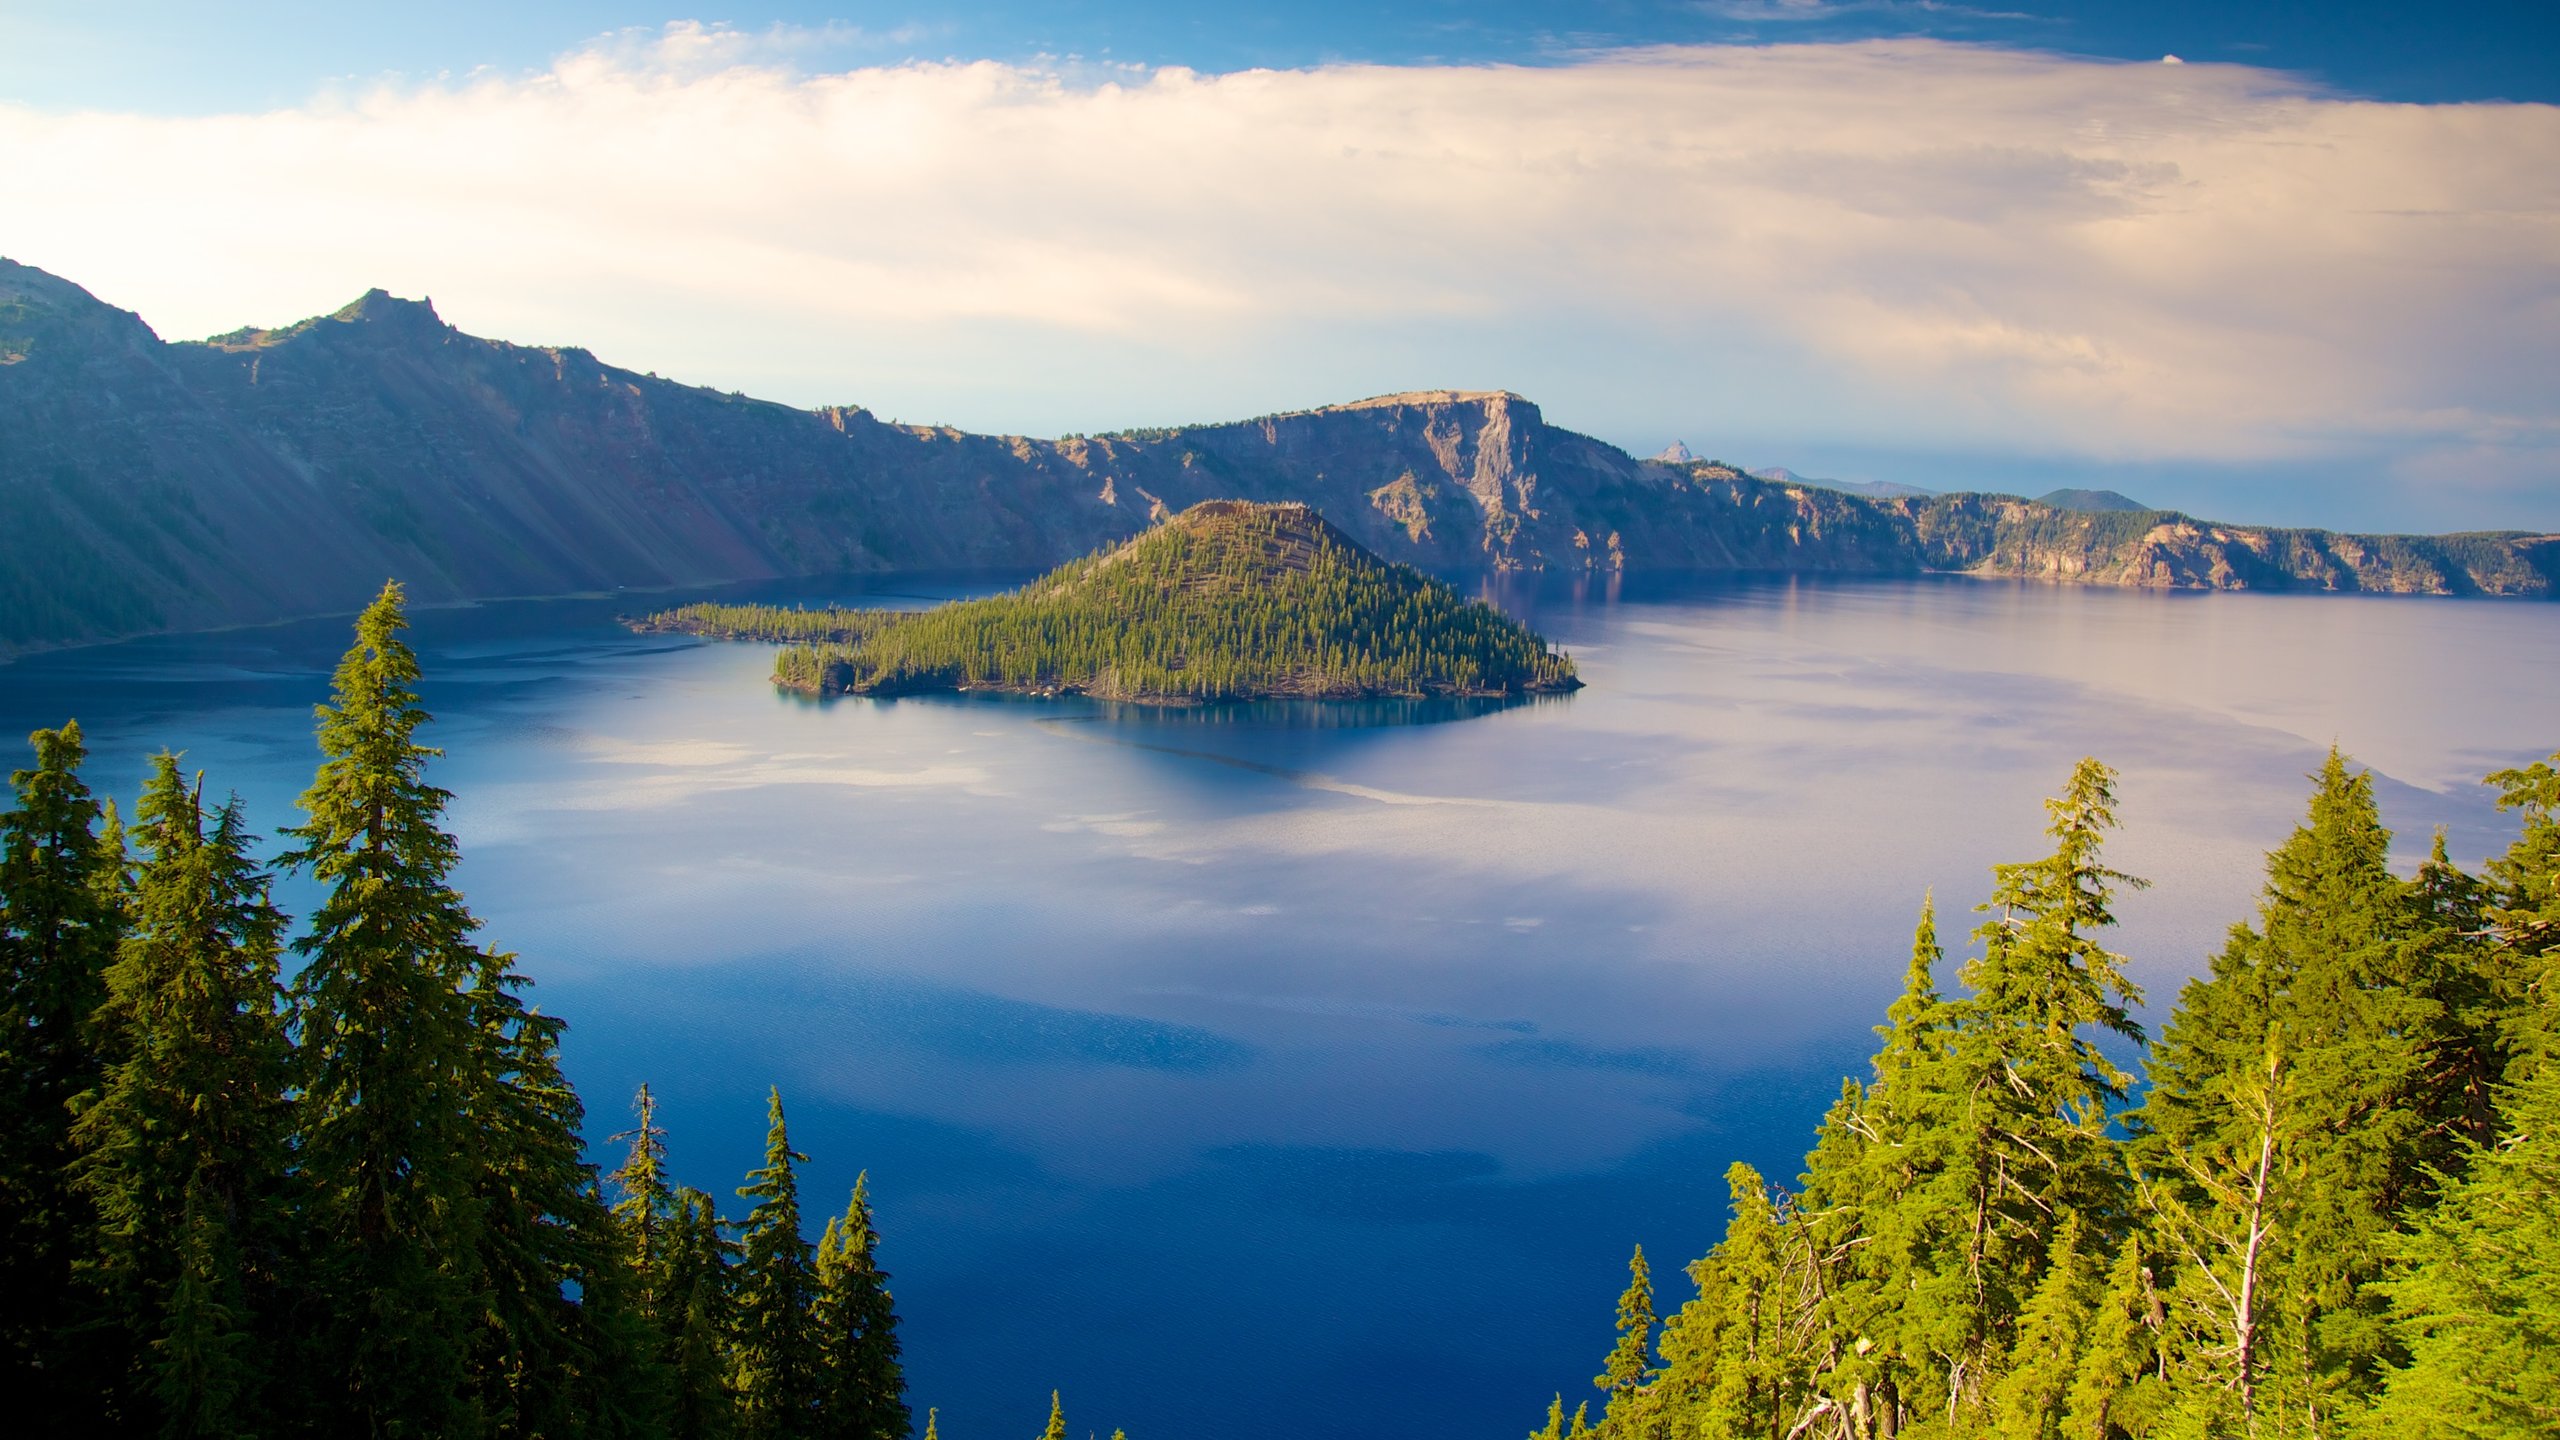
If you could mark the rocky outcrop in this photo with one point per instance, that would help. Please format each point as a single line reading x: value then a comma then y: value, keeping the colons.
x: 265, y: 474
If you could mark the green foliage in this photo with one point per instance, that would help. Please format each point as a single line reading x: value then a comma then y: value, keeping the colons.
x: 2311, y: 1223
x: 1630, y: 1361
x: 61, y: 878
x: 699, y: 1293
x: 778, y: 1360
x: 2304, y: 1096
x: 191, y: 1123
x: 390, y: 1068
x: 363, y: 1208
x: 2475, y: 1289
x: 863, y: 1387
x: 1226, y: 601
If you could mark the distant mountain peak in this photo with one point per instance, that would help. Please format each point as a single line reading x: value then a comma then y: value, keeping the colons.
x: 1678, y: 453
x: 379, y: 312
x: 1872, y: 489
x: 2096, y: 500
x: 378, y: 304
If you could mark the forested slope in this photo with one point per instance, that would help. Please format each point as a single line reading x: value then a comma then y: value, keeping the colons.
x: 2331, y: 1206
x: 273, y: 473
x: 1227, y: 601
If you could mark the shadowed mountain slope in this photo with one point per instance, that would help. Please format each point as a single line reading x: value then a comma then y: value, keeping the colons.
x: 267, y: 474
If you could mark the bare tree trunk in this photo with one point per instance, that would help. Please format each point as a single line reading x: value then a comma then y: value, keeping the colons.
x: 2245, y: 1313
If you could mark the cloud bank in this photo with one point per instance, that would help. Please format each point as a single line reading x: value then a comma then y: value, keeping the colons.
x: 1903, y: 245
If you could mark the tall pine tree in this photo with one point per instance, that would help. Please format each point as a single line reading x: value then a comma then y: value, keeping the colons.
x: 1632, y: 1359
x: 60, y: 882
x: 2015, y: 1098
x: 2476, y: 1293
x: 698, y: 1310
x: 184, y: 1148
x: 863, y: 1386
x: 2304, y: 1094
x: 778, y: 1360
x: 2524, y: 907
x: 544, y: 1363
x: 390, y: 1068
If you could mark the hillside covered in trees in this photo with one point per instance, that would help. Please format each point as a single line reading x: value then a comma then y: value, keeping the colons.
x: 1227, y: 601
x: 270, y: 473
x: 2327, y: 1206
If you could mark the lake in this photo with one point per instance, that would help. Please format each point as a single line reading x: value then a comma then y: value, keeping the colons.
x: 1273, y: 1070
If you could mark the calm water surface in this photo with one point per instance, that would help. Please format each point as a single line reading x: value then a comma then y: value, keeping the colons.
x: 1279, y: 1071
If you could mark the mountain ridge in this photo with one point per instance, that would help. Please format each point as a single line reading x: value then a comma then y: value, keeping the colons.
x: 262, y: 475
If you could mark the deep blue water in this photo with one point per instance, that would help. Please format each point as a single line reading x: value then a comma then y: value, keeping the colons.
x: 1275, y: 1071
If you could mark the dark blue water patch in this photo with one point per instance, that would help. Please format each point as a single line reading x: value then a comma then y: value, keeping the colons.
x: 1466, y: 1022
x: 1567, y: 1054
x: 1329, y: 1182
x: 806, y: 1004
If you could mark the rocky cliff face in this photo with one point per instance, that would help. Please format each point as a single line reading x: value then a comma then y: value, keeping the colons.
x: 264, y: 474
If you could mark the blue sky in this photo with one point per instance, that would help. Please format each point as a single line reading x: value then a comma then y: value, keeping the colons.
x: 184, y: 55
x: 2309, y: 274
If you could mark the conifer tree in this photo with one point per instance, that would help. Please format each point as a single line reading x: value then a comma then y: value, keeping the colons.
x: 2476, y: 1291
x: 2053, y: 1337
x: 2450, y: 949
x: 543, y: 1363
x: 2225, y: 1215
x: 2016, y: 1099
x: 389, y: 1067
x: 1749, y: 1388
x: 183, y: 1150
x: 863, y: 1386
x: 778, y: 1359
x: 645, y: 1206
x: 1631, y: 1361
x: 1057, y: 1420
x: 2117, y: 1390
x: 61, y: 872
x: 1555, y: 1421
x: 699, y: 1305
x: 1866, y: 1241
x: 2524, y: 908
x: 2303, y: 1095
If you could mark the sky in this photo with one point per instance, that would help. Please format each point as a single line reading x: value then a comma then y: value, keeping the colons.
x: 2265, y: 261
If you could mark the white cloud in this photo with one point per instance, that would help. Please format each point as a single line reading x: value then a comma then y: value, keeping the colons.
x: 1901, y: 242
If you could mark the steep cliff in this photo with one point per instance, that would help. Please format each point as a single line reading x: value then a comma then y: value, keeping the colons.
x: 264, y: 474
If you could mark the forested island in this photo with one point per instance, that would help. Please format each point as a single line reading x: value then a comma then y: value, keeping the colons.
x: 1228, y: 600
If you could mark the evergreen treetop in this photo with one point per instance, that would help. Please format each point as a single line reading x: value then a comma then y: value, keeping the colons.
x: 779, y: 1365
x: 191, y: 1121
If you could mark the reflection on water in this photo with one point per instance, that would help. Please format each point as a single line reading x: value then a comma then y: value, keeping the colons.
x: 1367, y: 714
x: 1266, y: 1069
